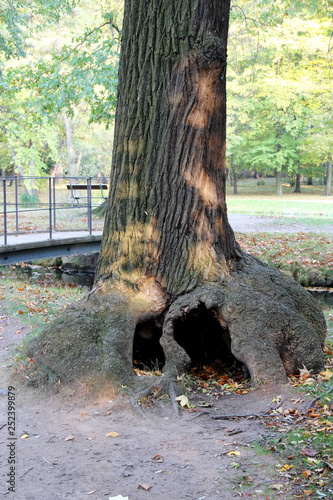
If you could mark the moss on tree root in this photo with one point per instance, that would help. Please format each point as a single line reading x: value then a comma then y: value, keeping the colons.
x: 275, y: 328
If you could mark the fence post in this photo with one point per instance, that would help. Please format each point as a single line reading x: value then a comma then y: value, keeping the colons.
x: 50, y: 206
x: 4, y: 212
x: 16, y: 204
x: 89, y: 205
x: 54, y: 205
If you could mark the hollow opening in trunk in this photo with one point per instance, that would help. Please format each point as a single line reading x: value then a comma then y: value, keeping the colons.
x: 206, y: 342
x: 147, y: 350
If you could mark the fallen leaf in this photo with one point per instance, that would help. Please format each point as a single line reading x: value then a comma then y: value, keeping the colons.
x: 277, y: 487
x: 309, y: 381
x: 69, y: 438
x: 327, y: 374
x: 158, y: 458
x: 112, y: 434
x: 24, y: 436
x: 304, y: 373
x: 183, y: 401
x: 20, y: 312
x: 235, y: 465
x: 145, y: 487
x: 287, y: 466
x: 309, y: 452
x: 306, y: 473
x: 234, y: 453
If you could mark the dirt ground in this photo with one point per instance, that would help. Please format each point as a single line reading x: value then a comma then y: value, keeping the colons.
x: 62, y: 449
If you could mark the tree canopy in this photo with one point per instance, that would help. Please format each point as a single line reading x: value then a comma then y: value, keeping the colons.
x: 61, y: 57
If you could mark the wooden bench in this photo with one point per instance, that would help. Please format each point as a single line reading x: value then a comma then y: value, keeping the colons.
x: 76, y: 188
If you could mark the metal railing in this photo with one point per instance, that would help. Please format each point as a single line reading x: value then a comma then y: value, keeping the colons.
x: 54, y: 199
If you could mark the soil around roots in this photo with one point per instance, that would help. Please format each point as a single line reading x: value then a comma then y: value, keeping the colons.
x: 269, y: 323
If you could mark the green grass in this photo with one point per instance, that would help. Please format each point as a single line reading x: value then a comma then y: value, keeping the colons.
x: 306, y: 257
x: 35, y: 301
x: 261, y: 200
x: 307, y: 207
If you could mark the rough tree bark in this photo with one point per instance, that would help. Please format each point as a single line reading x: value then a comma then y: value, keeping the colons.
x: 168, y: 250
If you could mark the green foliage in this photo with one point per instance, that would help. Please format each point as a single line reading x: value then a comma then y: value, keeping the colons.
x: 29, y: 200
x: 280, y: 103
x: 17, y: 21
x: 80, y: 67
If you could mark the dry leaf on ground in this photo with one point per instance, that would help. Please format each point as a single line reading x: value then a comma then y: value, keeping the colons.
x: 145, y: 487
x: 183, y: 401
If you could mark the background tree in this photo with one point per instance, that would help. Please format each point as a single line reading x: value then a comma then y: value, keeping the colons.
x: 279, y: 68
x: 168, y: 256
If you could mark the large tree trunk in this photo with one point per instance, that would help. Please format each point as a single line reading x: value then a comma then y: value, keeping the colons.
x: 328, y: 182
x: 169, y: 258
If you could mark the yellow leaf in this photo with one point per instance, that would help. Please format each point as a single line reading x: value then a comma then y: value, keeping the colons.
x: 112, y: 434
x: 25, y: 436
x: 287, y: 467
x: 327, y: 374
x: 234, y: 453
x: 183, y: 401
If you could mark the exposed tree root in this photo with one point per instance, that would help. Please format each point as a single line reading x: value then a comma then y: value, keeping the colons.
x: 273, y: 325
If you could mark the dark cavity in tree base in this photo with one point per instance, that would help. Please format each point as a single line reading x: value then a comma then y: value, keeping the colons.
x: 147, y: 350
x: 203, y: 338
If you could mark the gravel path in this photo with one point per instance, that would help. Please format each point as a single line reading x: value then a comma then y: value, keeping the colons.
x: 249, y: 223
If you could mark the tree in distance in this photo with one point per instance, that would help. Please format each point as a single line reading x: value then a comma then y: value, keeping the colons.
x: 169, y: 258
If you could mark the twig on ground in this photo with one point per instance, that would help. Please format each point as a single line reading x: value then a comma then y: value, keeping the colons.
x: 260, y: 484
x: 26, y: 472
x: 230, y: 417
x: 318, y: 397
x: 52, y: 465
x: 233, y: 433
x: 251, y: 415
x: 200, y: 413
